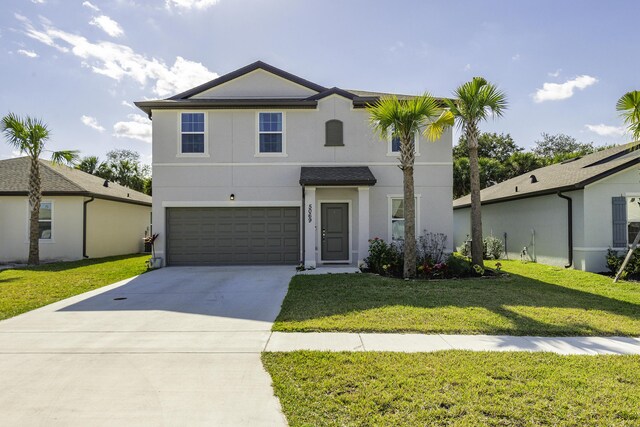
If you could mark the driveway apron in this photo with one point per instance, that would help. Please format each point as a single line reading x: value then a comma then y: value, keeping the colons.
x: 177, y: 346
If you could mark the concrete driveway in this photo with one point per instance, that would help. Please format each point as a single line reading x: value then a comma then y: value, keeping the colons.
x: 177, y: 346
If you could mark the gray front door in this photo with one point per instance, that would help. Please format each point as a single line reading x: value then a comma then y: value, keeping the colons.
x: 335, y: 231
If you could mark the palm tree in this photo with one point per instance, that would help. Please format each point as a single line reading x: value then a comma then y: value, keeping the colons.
x: 29, y: 135
x: 404, y: 119
x: 476, y: 101
x: 629, y: 107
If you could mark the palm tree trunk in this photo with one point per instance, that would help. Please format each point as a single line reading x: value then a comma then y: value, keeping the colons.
x: 35, y: 196
x: 476, y: 217
x: 409, y: 270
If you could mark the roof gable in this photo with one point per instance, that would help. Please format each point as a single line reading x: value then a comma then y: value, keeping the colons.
x: 257, y: 80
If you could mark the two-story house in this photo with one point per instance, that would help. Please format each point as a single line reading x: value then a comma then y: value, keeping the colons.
x: 263, y: 167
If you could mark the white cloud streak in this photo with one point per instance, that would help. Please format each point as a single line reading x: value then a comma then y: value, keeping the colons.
x: 91, y: 6
x: 107, y: 25
x: 28, y: 53
x: 190, y: 4
x: 560, y: 91
x: 91, y: 122
x: 118, y: 61
x: 606, y: 130
x: 137, y: 127
x: 556, y: 73
x: 128, y: 104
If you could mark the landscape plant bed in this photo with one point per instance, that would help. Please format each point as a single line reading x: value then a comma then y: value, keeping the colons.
x: 455, y: 388
x: 530, y: 299
x: 24, y: 289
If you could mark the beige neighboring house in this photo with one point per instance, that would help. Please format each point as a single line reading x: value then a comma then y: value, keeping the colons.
x: 260, y: 166
x: 567, y: 214
x: 81, y: 215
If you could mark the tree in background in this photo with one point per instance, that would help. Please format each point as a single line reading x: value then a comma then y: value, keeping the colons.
x: 405, y: 119
x: 561, y: 147
x: 121, y: 166
x: 629, y: 108
x: 476, y: 101
x: 490, y: 145
x: 30, y: 135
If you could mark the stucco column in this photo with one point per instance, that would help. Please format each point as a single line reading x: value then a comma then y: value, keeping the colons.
x: 310, y: 215
x: 363, y: 224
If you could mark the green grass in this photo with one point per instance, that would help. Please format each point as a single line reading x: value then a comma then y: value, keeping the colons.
x: 456, y: 388
x: 24, y: 289
x: 533, y: 299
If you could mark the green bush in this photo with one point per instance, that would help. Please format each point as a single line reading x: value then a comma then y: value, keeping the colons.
x: 458, y: 266
x: 614, y: 262
x: 386, y: 259
x: 493, y: 248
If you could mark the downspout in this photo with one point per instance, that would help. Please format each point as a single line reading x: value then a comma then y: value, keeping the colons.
x: 84, y: 227
x: 303, y: 225
x: 570, y: 225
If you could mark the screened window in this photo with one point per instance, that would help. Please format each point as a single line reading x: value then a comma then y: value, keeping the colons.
x: 333, y: 133
x: 270, y: 133
x: 45, y: 221
x: 396, y: 219
x: 192, y: 133
x: 394, y: 145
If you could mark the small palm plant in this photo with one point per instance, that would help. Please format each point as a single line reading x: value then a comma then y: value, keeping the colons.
x: 29, y: 136
x: 629, y: 108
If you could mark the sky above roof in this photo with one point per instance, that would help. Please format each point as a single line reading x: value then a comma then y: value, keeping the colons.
x: 80, y: 65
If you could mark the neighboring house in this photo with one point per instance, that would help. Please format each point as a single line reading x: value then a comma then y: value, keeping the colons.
x: 567, y: 214
x: 81, y: 215
x: 263, y: 167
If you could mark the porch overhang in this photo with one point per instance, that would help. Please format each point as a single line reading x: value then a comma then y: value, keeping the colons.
x: 337, y: 176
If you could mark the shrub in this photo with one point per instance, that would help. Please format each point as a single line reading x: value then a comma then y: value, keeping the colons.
x: 430, y: 248
x: 614, y: 262
x: 458, y: 266
x: 493, y: 248
x: 385, y: 258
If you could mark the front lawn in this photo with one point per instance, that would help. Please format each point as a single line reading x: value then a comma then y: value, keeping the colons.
x: 455, y: 388
x: 25, y: 289
x: 534, y: 299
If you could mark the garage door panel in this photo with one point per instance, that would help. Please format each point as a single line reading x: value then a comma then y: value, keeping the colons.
x: 224, y: 236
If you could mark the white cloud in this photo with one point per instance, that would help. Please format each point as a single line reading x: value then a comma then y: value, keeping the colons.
x: 558, y: 91
x: 38, y: 1
x: 127, y: 104
x: 467, y: 67
x: 138, y: 127
x: 118, y: 61
x: 107, y: 25
x: 92, y: 122
x: 190, y: 4
x: 28, y: 53
x: 606, y: 130
x: 556, y: 73
x: 396, y: 46
x: 91, y: 6
x: 515, y: 57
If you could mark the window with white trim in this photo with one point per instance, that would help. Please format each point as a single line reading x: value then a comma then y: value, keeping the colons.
x: 270, y: 134
x: 394, y: 146
x: 633, y: 218
x: 396, y: 217
x: 192, y: 133
x: 45, y: 221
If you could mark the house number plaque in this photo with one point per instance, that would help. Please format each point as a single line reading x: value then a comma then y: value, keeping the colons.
x: 309, y: 213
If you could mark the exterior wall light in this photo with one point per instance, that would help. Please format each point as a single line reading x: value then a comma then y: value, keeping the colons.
x: 232, y: 197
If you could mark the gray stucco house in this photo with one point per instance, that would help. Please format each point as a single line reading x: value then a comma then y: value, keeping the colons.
x: 260, y: 166
x: 567, y: 214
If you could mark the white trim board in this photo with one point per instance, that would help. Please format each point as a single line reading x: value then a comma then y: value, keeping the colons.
x: 229, y: 204
x: 260, y: 164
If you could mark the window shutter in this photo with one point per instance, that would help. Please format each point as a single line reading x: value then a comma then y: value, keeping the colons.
x: 333, y: 133
x: 619, y: 215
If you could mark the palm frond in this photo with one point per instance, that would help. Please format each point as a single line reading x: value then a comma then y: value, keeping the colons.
x: 69, y: 157
x: 629, y: 108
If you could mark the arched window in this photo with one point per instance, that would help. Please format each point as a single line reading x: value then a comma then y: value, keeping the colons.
x: 333, y: 133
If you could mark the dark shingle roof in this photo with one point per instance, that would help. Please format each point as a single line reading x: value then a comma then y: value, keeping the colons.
x: 566, y: 176
x: 343, y: 175
x: 63, y: 180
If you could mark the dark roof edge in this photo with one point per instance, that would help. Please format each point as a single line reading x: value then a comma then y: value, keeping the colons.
x: 246, y: 70
x: 339, y: 183
x: 223, y: 104
x: 333, y: 91
x: 579, y: 186
x: 78, y: 194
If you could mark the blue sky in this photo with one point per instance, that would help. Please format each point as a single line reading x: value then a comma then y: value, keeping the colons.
x: 79, y: 65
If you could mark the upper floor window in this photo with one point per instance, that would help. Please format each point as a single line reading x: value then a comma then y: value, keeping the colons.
x: 394, y: 146
x: 45, y: 221
x: 192, y: 134
x: 333, y: 133
x: 270, y: 134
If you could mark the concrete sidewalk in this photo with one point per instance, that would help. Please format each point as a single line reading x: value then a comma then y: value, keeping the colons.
x: 412, y: 343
